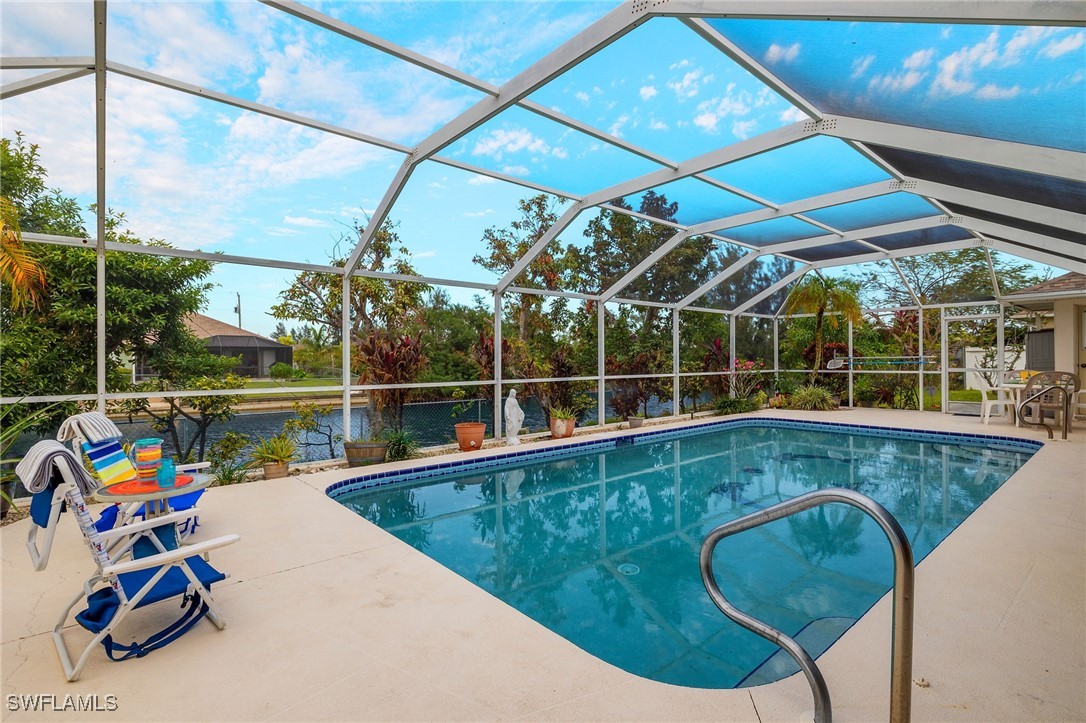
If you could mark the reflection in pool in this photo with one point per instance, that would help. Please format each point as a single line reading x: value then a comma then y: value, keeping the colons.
x: 602, y: 546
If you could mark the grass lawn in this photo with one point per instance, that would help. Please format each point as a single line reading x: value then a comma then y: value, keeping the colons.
x: 276, y: 384
x: 965, y: 395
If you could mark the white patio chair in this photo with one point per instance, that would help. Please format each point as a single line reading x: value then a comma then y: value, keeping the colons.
x: 999, y: 398
x: 158, y: 570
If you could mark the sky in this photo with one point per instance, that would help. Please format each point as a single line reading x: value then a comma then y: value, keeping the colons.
x: 203, y: 175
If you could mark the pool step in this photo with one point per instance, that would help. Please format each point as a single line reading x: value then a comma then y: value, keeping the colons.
x: 815, y: 637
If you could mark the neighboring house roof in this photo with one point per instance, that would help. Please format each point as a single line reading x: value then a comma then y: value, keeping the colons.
x: 1069, y: 282
x: 220, y: 334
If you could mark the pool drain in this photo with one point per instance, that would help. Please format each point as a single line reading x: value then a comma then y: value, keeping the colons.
x: 628, y: 568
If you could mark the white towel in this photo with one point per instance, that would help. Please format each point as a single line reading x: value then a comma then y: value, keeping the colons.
x: 36, y: 468
x: 93, y: 427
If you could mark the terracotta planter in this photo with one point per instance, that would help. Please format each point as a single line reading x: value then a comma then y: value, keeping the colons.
x: 274, y: 470
x: 469, y: 435
x: 635, y: 422
x: 360, y: 454
x: 562, y: 428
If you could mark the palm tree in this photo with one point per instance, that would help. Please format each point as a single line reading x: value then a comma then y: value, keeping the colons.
x: 818, y: 295
x: 18, y: 267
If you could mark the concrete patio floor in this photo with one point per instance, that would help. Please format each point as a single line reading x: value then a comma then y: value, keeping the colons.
x: 331, y: 618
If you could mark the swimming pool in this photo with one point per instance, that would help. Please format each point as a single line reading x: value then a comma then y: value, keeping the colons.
x: 599, y: 540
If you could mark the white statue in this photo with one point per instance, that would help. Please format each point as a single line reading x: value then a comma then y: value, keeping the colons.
x: 514, y: 417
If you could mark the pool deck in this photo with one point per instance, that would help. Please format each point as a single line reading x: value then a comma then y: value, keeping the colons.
x: 331, y: 618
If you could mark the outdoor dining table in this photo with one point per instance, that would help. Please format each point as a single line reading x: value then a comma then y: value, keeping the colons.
x: 155, y: 498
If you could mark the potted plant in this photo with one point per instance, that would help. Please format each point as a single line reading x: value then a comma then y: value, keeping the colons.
x: 469, y: 435
x: 362, y: 452
x: 635, y: 421
x: 275, y: 454
x: 563, y: 422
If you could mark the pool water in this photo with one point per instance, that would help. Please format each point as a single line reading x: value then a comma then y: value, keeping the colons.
x: 602, y: 546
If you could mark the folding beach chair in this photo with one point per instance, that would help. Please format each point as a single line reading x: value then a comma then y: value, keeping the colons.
x: 94, y: 435
x: 159, y: 570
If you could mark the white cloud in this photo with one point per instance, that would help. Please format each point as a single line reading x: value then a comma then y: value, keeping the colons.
x: 1064, y: 45
x: 303, y: 221
x: 706, y: 121
x: 616, y: 127
x: 779, y: 53
x: 425, y: 254
x: 647, y: 92
x: 478, y: 214
x: 515, y: 170
x: 995, y: 92
x: 657, y: 125
x: 860, y: 66
x: 436, y: 185
x: 945, y: 32
x: 582, y: 96
x: 514, y: 140
x: 687, y: 87
x: 792, y: 115
x: 919, y: 59
x: 743, y: 129
x: 681, y: 64
x: 1022, y: 41
x: 955, y: 74
x: 478, y: 180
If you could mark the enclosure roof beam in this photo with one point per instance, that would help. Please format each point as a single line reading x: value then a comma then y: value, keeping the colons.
x: 770, y: 290
x: 353, y: 33
x: 915, y: 224
x: 589, y: 41
x: 752, y: 66
x: 1032, y: 254
x: 1059, y: 218
x: 857, y: 193
x: 734, y: 268
x: 1068, y: 253
x: 905, y: 282
x: 47, y: 62
x: 1015, y: 12
x: 899, y: 254
x: 1005, y: 154
x: 743, y: 149
x: 321, y: 126
x: 44, y: 80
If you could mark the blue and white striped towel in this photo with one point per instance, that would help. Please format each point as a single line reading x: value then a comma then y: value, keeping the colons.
x: 36, y: 468
x: 93, y: 427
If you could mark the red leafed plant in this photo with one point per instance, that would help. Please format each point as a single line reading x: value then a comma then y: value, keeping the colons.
x: 388, y: 359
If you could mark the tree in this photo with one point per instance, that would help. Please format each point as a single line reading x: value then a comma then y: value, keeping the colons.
x: 52, y: 348
x: 819, y: 295
x: 317, y: 298
x: 506, y: 246
x: 19, y: 270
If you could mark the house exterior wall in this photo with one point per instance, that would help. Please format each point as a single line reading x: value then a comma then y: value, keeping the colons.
x: 1066, y: 334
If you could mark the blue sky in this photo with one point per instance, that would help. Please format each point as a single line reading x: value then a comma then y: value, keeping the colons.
x: 203, y: 175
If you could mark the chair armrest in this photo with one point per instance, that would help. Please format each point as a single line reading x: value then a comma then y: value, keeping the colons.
x: 194, y: 467
x: 170, y: 557
x: 133, y: 527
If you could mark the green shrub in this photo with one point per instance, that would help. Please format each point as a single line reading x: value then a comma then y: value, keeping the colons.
x: 812, y: 398
x: 735, y: 405
x: 401, y: 445
x: 282, y: 370
x: 227, y: 465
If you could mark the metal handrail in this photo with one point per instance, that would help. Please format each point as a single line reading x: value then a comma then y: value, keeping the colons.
x: 901, y: 661
x: 1040, y: 411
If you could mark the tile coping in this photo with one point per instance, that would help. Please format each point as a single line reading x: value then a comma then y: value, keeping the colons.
x: 355, y: 484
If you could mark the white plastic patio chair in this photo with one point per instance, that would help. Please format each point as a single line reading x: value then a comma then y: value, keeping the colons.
x: 1000, y: 398
x: 118, y: 588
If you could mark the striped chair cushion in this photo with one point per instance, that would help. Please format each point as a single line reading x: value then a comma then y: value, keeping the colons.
x: 110, y: 462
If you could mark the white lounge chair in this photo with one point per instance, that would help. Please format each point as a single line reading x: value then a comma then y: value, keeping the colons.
x: 159, y: 570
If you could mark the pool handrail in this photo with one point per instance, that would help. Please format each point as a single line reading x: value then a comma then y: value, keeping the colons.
x: 902, y: 626
x: 1040, y: 414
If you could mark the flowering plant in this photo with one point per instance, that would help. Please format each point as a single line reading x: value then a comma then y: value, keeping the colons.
x: 748, y: 377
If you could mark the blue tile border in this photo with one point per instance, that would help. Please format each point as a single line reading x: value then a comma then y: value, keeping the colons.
x: 355, y: 484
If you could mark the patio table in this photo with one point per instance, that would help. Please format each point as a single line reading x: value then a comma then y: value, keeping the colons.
x: 156, y: 498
